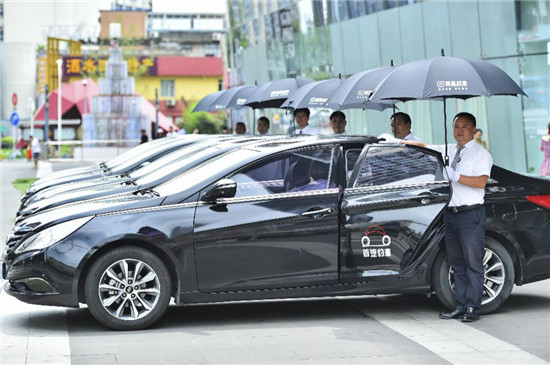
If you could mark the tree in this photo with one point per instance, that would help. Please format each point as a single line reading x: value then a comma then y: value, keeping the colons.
x: 207, y: 123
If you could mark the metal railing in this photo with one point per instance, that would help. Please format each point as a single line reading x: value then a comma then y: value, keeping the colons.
x: 89, y: 150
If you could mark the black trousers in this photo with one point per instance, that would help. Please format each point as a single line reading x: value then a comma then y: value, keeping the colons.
x: 464, y: 238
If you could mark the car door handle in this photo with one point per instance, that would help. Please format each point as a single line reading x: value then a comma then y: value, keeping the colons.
x: 318, y: 213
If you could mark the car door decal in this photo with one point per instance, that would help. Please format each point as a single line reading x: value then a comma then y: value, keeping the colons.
x: 375, y: 242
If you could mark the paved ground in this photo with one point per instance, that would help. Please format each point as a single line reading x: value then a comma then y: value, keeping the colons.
x: 384, y: 329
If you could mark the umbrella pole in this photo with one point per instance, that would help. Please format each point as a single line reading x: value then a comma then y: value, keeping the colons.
x: 445, y: 125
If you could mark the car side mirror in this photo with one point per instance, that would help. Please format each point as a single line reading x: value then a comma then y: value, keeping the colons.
x: 224, y: 188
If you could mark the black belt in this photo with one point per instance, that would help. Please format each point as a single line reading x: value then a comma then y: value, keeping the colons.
x: 464, y: 208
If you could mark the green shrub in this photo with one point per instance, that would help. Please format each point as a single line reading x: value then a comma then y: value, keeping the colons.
x: 207, y: 123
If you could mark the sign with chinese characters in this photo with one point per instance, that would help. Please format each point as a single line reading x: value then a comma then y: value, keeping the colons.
x: 376, y: 243
x: 42, y: 74
x: 87, y: 66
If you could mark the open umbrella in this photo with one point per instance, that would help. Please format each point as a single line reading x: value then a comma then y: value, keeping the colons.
x: 445, y: 77
x: 206, y: 103
x: 234, y: 97
x: 356, y: 89
x: 312, y: 95
x: 273, y: 93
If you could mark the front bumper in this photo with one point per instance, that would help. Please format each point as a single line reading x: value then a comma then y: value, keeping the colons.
x: 47, y: 277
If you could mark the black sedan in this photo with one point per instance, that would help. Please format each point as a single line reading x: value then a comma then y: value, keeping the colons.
x: 300, y: 217
x: 146, y: 154
x: 146, y: 177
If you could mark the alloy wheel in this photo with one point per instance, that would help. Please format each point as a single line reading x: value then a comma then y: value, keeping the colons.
x: 494, y: 276
x: 129, y: 289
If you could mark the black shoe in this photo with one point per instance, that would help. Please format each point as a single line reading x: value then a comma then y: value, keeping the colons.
x: 452, y: 315
x: 470, y: 315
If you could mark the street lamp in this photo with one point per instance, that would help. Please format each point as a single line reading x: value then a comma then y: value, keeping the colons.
x: 31, y: 106
x: 85, y: 83
x: 59, y: 65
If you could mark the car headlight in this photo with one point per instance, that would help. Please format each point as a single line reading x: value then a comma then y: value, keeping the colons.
x: 51, y: 235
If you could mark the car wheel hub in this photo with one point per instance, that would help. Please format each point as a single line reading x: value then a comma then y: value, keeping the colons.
x: 129, y: 289
x: 494, y: 276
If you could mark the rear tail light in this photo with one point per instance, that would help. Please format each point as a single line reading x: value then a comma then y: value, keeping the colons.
x: 542, y: 200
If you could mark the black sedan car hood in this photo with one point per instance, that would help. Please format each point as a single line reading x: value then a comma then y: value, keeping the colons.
x: 78, y: 195
x: 88, y: 208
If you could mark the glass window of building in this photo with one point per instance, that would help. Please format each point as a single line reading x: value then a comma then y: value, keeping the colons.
x: 167, y: 88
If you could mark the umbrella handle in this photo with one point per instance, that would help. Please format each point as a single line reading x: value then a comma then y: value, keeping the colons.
x: 445, y: 125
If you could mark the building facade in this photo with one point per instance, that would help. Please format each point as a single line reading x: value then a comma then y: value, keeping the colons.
x: 322, y: 39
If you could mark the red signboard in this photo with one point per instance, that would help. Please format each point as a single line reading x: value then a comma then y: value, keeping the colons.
x: 14, y: 99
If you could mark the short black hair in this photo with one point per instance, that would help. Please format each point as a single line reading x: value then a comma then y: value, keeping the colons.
x: 240, y: 123
x: 304, y: 110
x: 406, y: 117
x: 338, y: 115
x: 467, y: 116
x: 265, y: 119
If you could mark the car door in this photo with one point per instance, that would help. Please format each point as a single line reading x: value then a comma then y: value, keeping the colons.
x: 279, y: 231
x: 395, y: 195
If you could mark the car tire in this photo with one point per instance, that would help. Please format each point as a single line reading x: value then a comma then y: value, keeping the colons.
x: 128, y: 288
x: 499, y: 277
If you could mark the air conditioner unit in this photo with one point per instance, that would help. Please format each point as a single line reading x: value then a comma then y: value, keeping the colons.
x: 171, y: 103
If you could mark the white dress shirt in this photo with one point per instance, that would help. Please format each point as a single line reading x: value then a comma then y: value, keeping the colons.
x: 307, y: 130
x: 474, y: 161
x: 411, y: 137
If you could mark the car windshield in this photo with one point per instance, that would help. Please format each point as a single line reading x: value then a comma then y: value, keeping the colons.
x: 145, y: 155
x: 158, y: 168
x: 190, y: 160
x: 131, y: 153
x: 203, y: 171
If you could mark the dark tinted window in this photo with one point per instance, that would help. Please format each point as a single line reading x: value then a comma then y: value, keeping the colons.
x: 298, y: 171
x: 397, y: 165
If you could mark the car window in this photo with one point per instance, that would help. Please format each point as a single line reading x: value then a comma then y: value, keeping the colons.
x: 352, y: 155
x: 396, y: 166
x: 295, y: 172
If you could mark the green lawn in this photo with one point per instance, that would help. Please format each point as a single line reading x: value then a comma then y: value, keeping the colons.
x: 22, y: 184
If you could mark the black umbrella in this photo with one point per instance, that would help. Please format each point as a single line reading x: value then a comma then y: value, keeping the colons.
x: 356, y: 89
x: 312, y: 95
x: 235, y: 97
x: 205, y: 104
x: 272, y: 94
x: 445, y: 77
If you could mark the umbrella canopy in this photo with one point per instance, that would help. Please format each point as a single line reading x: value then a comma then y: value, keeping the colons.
x: 74, y: 93
x: 312, y: 95
x: 445, y: 77
x: 206, y: 103
x: 234, y: 97
x: 272, y: 94
x: 356, y: 89
x: 442, y: 78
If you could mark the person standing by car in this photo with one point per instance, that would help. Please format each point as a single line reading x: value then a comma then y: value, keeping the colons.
x: 302, y: 119
x: 337, y: 122
x: 465, y: 216
x: 401, y: 127
x: 262, y: 125
x: 35, y: 146
x: 545, y: 148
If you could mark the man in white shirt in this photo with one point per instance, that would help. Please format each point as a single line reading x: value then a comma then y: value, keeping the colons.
x: 171, y: 132
x: 302, y: 119
x: 465, y: 217
x: 401, y: 127
x: 337, y: 122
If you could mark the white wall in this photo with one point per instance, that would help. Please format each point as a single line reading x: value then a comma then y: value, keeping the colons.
x: 27, y: 24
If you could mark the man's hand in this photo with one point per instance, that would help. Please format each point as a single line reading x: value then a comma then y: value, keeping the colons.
x: 453, y: 174
x: 388, y: 138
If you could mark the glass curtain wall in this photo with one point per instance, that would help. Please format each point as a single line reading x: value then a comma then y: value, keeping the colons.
x: 533, y: 24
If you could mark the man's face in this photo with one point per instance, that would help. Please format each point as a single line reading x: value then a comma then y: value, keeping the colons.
x: 399, y: 128
x: 302, y: 119
x: 338, y: 126
x: 240, y: 129
x: 262, y: 126
x: 463, y: 131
